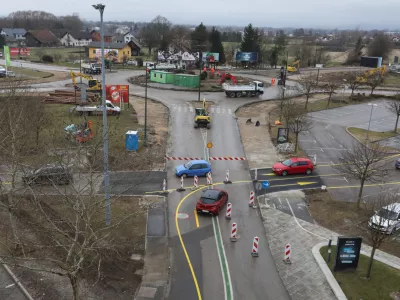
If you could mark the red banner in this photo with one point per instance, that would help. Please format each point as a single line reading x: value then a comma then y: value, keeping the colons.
x: 20, y: 51
x: 117, y: 93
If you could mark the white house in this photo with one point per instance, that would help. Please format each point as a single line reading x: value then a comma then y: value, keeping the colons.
x: 121, y: 29
x: 14, y: 33
x: 78, y: 39
x: 129, y: 36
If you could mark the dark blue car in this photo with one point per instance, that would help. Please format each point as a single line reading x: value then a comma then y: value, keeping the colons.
x: 193, y: 168
x: 397, y: 164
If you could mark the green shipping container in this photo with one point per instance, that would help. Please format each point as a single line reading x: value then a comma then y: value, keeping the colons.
x: 187, y: 80
x: 161, y: 76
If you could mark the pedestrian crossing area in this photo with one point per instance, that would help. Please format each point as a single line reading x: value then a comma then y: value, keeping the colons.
x: 213, y: 110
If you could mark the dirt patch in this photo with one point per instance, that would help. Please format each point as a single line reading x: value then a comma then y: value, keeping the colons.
x: 33, y: 79
x: 343, y: 217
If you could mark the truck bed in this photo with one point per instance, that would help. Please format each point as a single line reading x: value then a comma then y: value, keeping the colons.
x: 239, y: 87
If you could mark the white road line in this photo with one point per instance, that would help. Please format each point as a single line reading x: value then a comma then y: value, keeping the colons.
x: 280, y: 200
x: 328, y: 126
x: 346, y: 179
x: 274, y: 205
x: 331, y: 135
x: 322, y: 150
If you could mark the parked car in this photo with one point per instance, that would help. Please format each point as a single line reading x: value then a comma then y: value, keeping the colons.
x: 48, y: 174
x: 212, y: 201
x: 132, y: 62
x: 293, y: 166
x: 193, y: 168
x: 397, y: 163
x: 10, y: 74
x: 387, y: 219
x: 1, y: 54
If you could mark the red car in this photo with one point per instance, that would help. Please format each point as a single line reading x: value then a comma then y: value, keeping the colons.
x: 293, y: 166
x: 212, y: 201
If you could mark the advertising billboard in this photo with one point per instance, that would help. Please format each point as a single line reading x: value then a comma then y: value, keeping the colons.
x: 210, y: 57
x: 247, y: 56
x: 20, y: 51
x: 107, y: 52
x: 347, y: 253
x: 117, y: 93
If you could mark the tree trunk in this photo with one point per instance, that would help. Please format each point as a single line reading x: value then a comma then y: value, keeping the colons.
x: 352, y: 93
x: 372, y: 90
x: 308, y: 96
x: 397, y: 122
x: 360, y: 191
x: 329, y: 99
x: 371, y: 260
x: 75, y: 286
x: 296, y: 142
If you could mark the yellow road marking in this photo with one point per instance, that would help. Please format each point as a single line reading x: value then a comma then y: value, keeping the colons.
x: 196, y: 217
x: 297, y: 177
x: 269, y: 174
x: 305, y: 183
x: 357, y: 186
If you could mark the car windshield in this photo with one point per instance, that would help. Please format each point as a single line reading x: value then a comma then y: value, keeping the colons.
x: 287, y: 162
x: 206, y: 200
x: 387, y: 214
x: 187, y: 165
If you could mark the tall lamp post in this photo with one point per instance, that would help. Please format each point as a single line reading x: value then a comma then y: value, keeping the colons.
x: 100, y: 8
x: 145, y: 110
x: 287, y: 58
x: 370, y: 117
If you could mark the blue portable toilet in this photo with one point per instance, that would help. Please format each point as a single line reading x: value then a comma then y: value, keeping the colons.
x: 132, y: 140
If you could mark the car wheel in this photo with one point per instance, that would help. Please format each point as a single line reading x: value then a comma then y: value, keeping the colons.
x: 284, y: 173
x: 308, y: 171
x: 184, y: 175
x: 208, y: 126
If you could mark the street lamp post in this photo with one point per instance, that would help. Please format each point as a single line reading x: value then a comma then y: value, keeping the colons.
x: 145, y: 110
x: 370, y: 117
x: 100, y: 8
x: 287, y: 58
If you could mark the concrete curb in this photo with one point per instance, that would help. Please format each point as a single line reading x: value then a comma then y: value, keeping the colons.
x: 337, y: 290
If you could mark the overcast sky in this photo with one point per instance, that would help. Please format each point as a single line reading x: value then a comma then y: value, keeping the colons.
x: 367, y: 14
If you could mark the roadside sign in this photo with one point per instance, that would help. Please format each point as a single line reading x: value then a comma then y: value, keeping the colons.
x: 258, y: 186
x: 209, y: 145
x: 83, y: 94
x: 265, y: 184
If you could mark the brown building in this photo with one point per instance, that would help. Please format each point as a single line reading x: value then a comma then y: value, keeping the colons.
x: 96, y: 37
x: 41, y: 38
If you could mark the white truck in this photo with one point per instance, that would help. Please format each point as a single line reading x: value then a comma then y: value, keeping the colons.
x: 253, y: 89
x: 98, y: 109
x: 153, y: 66
x: 91, y: 68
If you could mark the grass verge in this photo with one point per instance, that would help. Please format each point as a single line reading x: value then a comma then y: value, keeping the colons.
x: 373, y: 136
x: 383, y: 282
x: 24, y: 72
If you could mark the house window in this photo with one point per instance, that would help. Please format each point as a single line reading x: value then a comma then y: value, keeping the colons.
x: 94, y: 51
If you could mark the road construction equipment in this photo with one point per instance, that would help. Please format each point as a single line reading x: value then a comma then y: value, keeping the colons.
x: 94, y: 85
x: 227, y: 76
x: 202, y: 117
x: 253, y: 89
x: 294, y: 67
x: 373, y: 72
x: 91, y: 68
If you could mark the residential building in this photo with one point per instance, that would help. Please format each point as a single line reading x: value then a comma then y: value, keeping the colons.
x: 96, y: 37
x: 77, y: 39
x: 122, y: 29
x: 113, y: 51
x: 41, y: 38
x: 15, y: 33
x: 128, y: 39
x: 129, y: 36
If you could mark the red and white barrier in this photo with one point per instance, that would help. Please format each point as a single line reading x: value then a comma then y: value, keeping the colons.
x: 251, y: 200
x: 228, y: 211
x: 226, y: 181
x: 254, y: 250
x: 164, y: 185
x: 200, y: 158
x: 234, y: 232
x: 196, y: 182
x: 209, y: 178
x: 287, y: 254
x: 181, y: 189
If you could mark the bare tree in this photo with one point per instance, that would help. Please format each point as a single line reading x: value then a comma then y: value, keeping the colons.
x: 282, y: 95
x: 57, y: 57
x: 180, y: 37
x: 37, y: 117
x: 353, y: 82
x: 290, y: 109
x: 331, y: 88
x: 379, y: 216
x: 40, y: 53
x: 374, y: 80
x: 394, y: 107
x: 380, y: 46
x: 307, y: 83
x: 300, y: 122
x: 363, y: 163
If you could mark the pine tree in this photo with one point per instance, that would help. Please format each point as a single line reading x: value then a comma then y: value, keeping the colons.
x: 355, y: 55
x: 216, y: 44
x: 251, y: 40
x: 199, y: 38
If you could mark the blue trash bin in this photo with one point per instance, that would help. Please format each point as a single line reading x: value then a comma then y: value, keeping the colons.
x: 132, y: 140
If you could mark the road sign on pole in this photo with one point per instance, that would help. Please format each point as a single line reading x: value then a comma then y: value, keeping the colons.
x: 209, y: 145
x: 265, y: 184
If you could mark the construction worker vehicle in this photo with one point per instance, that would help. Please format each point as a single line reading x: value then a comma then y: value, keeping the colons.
x: 202, y: 117
x: 294, y: 67
x: 373, y: 72
x: 91, y: 68
x: 94, y: 85
x: 98, y: 109
x: 253, y: 89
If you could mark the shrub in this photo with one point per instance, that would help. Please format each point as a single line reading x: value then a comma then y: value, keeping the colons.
x: 139, y: 62
x: 191, y: 73
x: 47, y: 58
x: 203, y: 75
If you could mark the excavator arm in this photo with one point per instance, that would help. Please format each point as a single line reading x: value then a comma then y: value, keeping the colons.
x: 94, y: 84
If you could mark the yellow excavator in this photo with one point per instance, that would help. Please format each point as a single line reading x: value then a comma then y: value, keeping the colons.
x: 294, y: 67
x: 94, y: 85
x: 202, y: 118
x: 377, y: 71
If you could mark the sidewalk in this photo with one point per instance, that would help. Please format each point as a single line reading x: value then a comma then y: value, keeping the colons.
x: 303, y: 279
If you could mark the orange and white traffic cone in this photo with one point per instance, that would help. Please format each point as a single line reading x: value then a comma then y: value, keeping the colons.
x: 287, y: 254
x: 234, y: 232
x: 251, y: 200
x: 254, y: 250
x: 181, y: 189
x: 228, y: 211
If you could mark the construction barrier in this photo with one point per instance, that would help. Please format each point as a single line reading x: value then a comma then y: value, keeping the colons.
x: 181, y: 189
x: 228, y: 211
x: 287, y: 254
x: 251, y: 200
x: 273, y: 81
x: 234, y: 232
x: 209, y: 178
x: 227, y: 181
x: 196, y: 182
x: 200, y: 158
x: 254, y: 250
x: 164, y: 185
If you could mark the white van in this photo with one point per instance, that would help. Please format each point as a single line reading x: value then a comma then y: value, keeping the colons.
x: 386, y: 219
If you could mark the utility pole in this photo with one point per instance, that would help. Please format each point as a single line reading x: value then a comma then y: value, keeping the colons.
x: 145, y: 110
x: 100, y: 8
x: 287, y: 58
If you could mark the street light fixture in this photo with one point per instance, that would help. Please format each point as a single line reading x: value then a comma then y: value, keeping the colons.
x: 145, y: 109
x: 370, y: 116
x: 100, y: 8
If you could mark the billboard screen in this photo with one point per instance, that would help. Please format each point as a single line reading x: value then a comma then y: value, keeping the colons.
x: 210, y: 57
x: 347, y: 253
x: 247, y: 56
x: 117, y: 93
x: 20, y: 51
